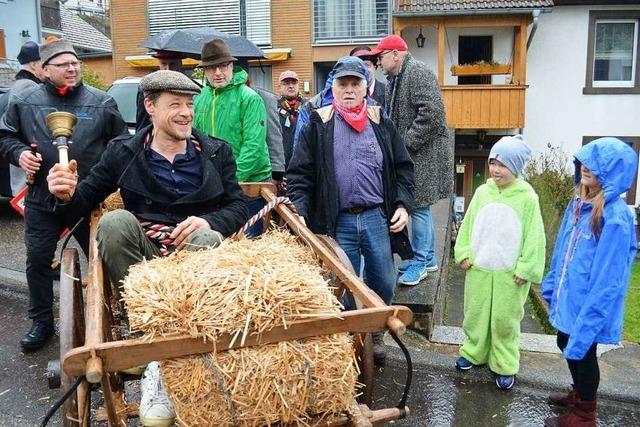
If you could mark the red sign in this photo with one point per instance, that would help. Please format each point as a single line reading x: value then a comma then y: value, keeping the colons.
x: 18, y: 204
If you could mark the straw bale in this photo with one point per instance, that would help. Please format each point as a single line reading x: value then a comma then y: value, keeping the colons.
x: 284, y: 383
x: 245, y: 287
x: 241, y: 287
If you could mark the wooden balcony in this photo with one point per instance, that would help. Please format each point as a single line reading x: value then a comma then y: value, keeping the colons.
x: 484, y: 106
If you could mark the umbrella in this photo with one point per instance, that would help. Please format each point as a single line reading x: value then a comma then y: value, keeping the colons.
x: 191, y: 40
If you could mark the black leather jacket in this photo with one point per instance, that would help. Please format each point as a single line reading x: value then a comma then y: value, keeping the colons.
x: 24, y: 123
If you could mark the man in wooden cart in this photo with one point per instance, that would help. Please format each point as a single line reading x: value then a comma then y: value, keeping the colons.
x: 179, y: 190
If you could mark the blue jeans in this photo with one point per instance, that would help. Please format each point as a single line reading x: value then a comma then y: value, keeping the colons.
x: 423, y: 237
x: 254, y: 206
x: 366, y: 234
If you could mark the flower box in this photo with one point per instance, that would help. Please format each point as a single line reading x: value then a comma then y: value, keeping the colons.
x: 482, y: 69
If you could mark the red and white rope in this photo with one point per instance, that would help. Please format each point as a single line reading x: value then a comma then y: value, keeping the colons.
x: 263, y: 212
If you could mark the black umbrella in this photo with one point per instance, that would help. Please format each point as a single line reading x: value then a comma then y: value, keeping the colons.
x: 191, y: 40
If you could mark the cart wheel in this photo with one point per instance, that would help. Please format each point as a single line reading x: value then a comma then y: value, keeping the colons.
x: 75, y: 410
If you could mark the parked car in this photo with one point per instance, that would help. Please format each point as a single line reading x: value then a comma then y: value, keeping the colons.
x: 124, y: 92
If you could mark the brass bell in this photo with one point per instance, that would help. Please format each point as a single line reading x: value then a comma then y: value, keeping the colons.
x: 61, y: 123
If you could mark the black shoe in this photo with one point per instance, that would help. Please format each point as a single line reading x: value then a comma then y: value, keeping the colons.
x: 37, y: 337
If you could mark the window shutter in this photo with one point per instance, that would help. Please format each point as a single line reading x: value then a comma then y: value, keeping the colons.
x: 259, y: 22
x: 223, y: 15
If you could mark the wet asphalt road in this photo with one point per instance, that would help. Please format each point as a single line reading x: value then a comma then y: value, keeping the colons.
x: 438, y: 397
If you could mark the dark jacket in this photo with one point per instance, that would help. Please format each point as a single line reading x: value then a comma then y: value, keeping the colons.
x: 311, y: 178
x: 123, y: 165
x: 24, y: 79
x: 379, y: 93
x: 288, y: 119
x: 415, y: 106
x: 25, y: 123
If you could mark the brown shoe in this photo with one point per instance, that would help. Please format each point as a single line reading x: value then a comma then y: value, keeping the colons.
x: 565, y: 400
x: 379, y: 349
x: 583, y: 414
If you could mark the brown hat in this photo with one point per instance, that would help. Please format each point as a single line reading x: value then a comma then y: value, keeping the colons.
x: 168, y: 81
x: 215, y: 52
x: 50, y: 50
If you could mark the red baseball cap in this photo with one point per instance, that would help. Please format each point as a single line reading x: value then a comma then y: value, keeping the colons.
x: 288, y: 75
x: 391, y: 42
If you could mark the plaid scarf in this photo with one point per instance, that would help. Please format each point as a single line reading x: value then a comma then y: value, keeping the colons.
x: 356, y: 117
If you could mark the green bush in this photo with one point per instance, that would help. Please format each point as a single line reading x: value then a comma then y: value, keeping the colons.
x: 92, y: 78
x: 551, y: 176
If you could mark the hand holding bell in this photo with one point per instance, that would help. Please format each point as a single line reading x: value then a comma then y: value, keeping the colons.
x: 61, y: 125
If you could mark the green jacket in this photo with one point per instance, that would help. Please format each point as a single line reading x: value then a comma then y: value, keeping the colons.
x: 236, y: 114
x: 502, y: 230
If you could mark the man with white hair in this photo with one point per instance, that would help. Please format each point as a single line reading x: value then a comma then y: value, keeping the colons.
x: 351, y: 178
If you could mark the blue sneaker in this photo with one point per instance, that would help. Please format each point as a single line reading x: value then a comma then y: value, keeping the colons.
x: 505, y: 382
x: 414, y: 274
x: 404, y: 266
x: 463, y: 364
x: 432, y: 268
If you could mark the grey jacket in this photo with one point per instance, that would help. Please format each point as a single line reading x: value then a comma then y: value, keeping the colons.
x: 415, y: 106
x: 24, y: 123
x: 274, y: 132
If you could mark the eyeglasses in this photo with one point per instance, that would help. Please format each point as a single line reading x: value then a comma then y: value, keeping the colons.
x: 75, y: 64
x: 217, y: 67
x: 383, y: 54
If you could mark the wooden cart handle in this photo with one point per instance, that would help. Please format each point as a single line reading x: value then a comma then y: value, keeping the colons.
x: 396, y: 325
x: 93, y: 370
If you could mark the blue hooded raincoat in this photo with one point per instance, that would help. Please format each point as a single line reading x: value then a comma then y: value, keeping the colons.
x: 588, y: 279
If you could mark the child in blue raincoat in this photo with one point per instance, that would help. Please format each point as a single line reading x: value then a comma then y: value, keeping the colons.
x: 590, y: 271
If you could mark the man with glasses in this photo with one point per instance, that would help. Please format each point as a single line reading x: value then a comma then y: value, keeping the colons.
x: 230, y: 110
x: 24, y: 123
x: 415, y: 106
x: 376, y: 89
x: 289, y: 106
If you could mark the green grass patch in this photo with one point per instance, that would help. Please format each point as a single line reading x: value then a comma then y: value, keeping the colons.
x: 631, y: 329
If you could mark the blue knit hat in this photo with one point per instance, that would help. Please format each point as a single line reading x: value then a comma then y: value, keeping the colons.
x: 513, y: 152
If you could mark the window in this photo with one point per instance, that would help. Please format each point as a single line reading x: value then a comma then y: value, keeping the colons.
x: 350, y: 21
x: 612, y: 57
x: 250, y: 18
x: 634, y: 142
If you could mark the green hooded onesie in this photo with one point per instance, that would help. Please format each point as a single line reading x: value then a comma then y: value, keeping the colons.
x: 502, y: 235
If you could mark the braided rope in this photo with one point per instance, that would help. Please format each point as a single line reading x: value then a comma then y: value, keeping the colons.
x: 161, y: 234
x: 263, y: 212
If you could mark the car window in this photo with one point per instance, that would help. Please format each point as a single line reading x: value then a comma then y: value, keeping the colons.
x: 125, y: 96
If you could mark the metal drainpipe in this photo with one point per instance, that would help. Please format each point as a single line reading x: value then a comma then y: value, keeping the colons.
x: 534, y: 26
x: 39, y: 23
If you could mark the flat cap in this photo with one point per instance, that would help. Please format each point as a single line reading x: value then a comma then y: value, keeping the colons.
x: 50, y: 50
x: 168, y: 81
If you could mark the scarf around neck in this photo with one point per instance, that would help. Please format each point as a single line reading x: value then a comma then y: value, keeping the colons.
x: 356, y: 117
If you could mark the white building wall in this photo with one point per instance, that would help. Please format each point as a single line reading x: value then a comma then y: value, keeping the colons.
x: 557, y: 112
x: 17, y: 16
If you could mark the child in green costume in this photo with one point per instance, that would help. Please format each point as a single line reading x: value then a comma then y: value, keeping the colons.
x: 501, y: 245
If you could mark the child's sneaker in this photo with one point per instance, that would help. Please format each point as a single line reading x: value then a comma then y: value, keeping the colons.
x: 463, y: 364
x: 505, y: 382
x: 404, y: 265
x: 414, y: 274
x: 156, y: 409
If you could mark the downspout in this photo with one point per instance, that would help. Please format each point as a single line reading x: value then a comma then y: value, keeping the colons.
x: 39, y: 23
x: 534, y: 26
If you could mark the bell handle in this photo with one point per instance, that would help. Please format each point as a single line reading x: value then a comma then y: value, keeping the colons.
x: 63, y: 152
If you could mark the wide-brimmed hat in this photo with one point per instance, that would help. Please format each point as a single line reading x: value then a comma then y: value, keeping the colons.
x: 215, y: 52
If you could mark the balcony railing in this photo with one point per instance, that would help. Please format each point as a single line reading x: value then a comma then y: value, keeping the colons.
x: 50, y: 16
x: 484, y: 106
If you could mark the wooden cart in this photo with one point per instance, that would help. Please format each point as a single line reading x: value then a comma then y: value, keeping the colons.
x: 93, y: 351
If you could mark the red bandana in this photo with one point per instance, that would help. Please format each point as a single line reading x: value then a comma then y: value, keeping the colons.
x: 63, y: 90
x: 356, y: 117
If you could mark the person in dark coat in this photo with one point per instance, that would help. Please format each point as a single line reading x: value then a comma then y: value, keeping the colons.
x: 24, y: 123
x: 351, y: 178
x: 377, y: 88
x: 30, y: 75
x: 289, y: 106
x: 414, y: 104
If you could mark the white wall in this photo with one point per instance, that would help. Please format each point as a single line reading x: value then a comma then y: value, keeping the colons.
x: 16, y: 16
x: 502, y: 48
x: 557, y: 112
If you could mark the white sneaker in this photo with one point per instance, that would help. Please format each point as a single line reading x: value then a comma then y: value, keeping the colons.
x: 156, y: 409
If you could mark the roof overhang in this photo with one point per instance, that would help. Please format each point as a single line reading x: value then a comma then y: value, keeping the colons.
x: 505, y: 11
x: 148, y: 61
